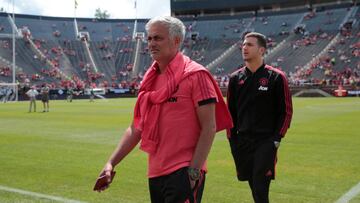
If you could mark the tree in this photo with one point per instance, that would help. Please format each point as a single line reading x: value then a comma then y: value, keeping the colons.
x: 99, y: 14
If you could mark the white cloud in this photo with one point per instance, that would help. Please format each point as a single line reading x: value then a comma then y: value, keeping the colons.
x: 86, y: 8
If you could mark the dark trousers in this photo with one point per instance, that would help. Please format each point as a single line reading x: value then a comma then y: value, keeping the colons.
x: 175, y: 188
x: 260, y: 189
x: 255, y: 161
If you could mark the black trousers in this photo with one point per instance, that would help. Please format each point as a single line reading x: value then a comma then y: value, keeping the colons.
x: 176, y: 188
x: 255, y: 161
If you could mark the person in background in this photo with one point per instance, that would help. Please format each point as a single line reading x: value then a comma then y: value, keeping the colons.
x: 92, y: 95
x: 178, y: 111
x: 9, y: 92
x: 32, y: 93
x: 45, y: 97
x: 70, y: 94
x: 260, y: 104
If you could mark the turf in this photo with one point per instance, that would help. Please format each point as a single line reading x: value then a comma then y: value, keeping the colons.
x: 60, y: 153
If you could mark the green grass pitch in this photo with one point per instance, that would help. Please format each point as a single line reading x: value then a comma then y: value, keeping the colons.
x: 60, y: 153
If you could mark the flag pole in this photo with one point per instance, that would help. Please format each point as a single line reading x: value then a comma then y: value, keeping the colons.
x: 13, y: 51
x: 135, y: 23
x: 75, y: 7
x: 75, y: 22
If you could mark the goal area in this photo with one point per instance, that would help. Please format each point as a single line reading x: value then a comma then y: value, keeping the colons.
x: 8, y: 92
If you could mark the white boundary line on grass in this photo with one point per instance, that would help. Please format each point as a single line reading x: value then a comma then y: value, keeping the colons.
x: 39, y: 195
x: 350, y: 194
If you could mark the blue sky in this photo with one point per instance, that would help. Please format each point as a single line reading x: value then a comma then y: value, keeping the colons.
x: 121, y: 9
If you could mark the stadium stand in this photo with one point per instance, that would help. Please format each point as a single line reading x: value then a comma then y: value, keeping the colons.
x: 5, y: 26
x: 98, y: 30
x: 295, y: 42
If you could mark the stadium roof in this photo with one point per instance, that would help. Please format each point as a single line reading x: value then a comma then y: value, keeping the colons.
x: 191, y: 7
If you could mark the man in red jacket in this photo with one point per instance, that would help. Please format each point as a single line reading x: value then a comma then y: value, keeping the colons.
x: 261, y: 108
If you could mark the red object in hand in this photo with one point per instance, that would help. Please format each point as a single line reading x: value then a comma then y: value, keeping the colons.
x: 102, y: 181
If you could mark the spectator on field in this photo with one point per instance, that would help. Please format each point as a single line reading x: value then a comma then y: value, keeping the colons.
x: 32, y: 93
x: 92, y: 95
x: 45, y: 97
x: 70, y: 94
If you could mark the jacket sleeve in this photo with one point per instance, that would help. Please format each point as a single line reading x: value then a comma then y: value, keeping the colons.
x: 231, y: 102
x: 284, y: 107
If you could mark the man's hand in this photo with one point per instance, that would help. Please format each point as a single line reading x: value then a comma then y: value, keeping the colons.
x: 277, y: 139
x: 194, y: 175
x: 192, y: 184
x: 108, y: 168
x: 277, y: 144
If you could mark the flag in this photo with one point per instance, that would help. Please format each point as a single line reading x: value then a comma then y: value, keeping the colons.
x: 76, y: 4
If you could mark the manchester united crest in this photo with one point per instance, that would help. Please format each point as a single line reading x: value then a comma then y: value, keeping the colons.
x: 263, y: 81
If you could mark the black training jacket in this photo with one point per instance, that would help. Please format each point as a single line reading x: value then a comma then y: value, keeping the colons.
x: 260, y: 103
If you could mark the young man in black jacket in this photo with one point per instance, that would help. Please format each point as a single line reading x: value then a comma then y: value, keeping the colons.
x: 260, y: 104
